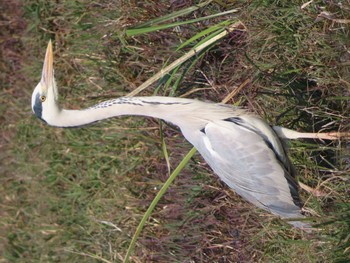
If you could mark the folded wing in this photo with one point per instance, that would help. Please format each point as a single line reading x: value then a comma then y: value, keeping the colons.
x: 251, y: 163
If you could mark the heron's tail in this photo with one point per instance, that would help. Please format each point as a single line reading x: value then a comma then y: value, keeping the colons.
x: 307, y: 227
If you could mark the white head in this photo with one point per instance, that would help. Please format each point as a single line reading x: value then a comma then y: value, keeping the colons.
x: 44, y: 97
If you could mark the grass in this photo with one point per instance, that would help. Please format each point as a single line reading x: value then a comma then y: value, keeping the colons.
x: 78, y: 195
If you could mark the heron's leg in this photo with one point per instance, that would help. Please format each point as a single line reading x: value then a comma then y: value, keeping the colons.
x: 285, y: 133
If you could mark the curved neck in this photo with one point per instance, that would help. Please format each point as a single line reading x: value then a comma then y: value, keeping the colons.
x: 167, y: 108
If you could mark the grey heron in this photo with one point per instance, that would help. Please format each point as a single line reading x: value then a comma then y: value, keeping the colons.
x: 241, y: 148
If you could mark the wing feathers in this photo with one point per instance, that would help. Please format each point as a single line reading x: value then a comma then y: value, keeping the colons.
x: 247, y: 163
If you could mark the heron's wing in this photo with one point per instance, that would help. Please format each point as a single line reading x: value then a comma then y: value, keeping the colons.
x: 248, y: 163
x: 269, y: 136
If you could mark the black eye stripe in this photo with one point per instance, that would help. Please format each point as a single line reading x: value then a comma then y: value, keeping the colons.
x: 38, y: 107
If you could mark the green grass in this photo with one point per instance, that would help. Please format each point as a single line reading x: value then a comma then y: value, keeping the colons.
x: 78, y: 195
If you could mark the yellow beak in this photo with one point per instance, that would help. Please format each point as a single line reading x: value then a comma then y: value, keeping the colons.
x: 47, y: 74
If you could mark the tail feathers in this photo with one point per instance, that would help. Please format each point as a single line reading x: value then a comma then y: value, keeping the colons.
x: 305, y: 226
x: 296, y: 219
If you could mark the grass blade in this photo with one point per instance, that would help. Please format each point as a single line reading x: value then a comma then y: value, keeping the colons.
x: 138, y: 31
x: 155, y: 201
x: 172, y: 15
x: 217, y: 28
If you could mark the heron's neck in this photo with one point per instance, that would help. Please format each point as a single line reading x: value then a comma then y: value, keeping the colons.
x: 169, y: 109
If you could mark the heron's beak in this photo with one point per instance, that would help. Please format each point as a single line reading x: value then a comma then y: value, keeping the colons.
x: 47, y: 77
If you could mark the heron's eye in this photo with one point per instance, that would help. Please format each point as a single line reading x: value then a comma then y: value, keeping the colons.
x: 42, y: 98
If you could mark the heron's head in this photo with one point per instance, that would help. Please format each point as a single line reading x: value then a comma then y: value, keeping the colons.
x: 44, y: 97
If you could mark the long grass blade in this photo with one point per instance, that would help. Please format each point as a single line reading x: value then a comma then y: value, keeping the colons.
x: 138, y: 31
x: 155, y: 201
x: 173, y: 15
x: 209, y: 30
